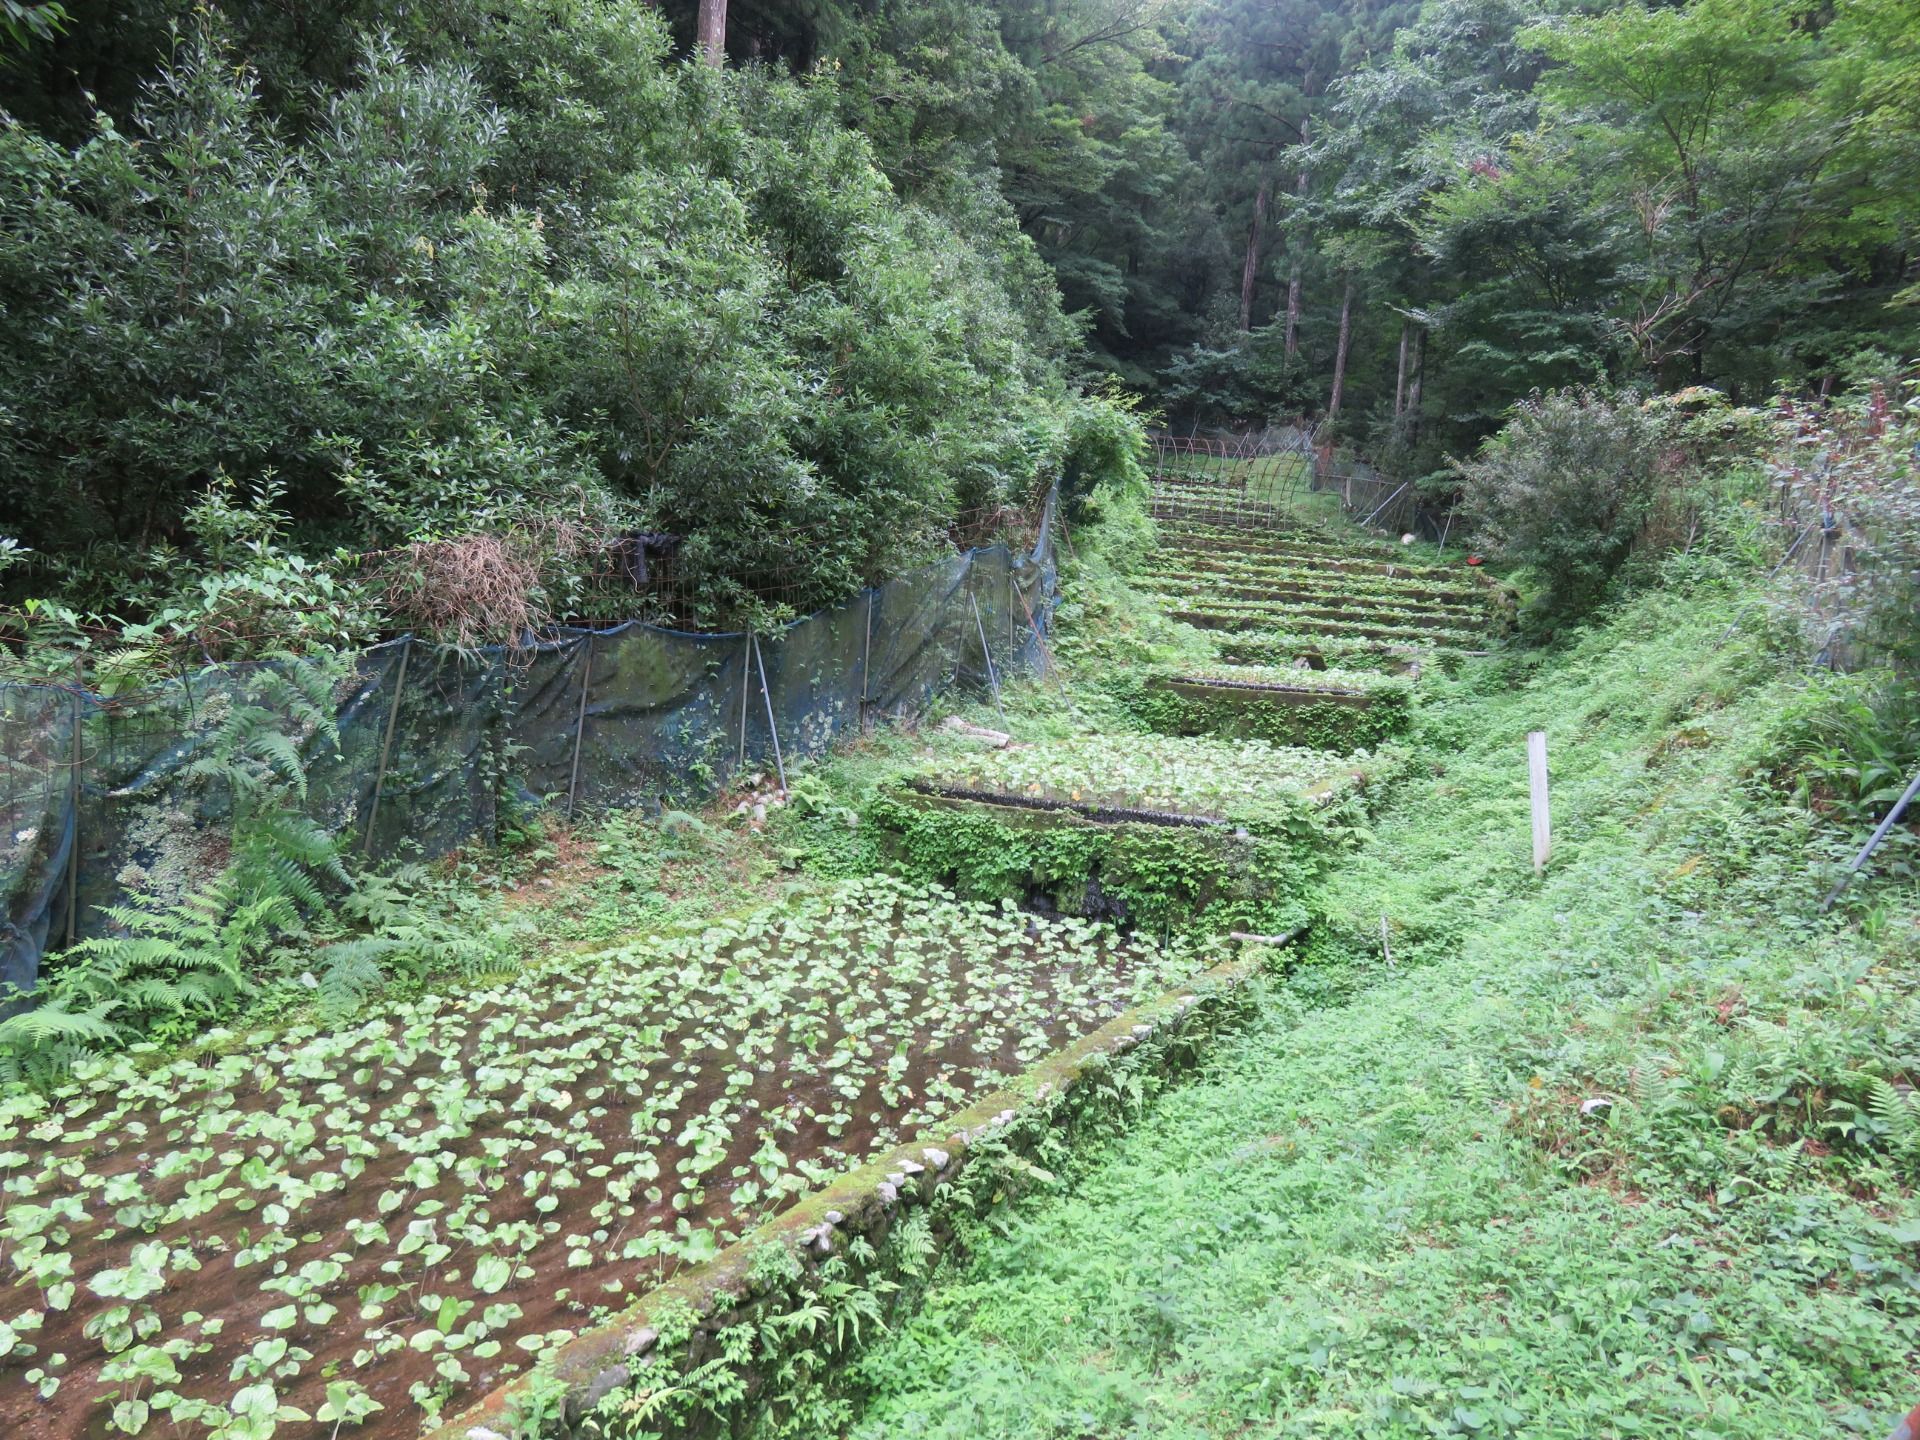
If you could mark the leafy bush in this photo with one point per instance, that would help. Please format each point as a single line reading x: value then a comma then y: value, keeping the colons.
x: 507, y: 272
x: 1564, y: 489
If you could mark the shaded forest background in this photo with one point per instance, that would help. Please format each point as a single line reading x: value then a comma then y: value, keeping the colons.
x: 285, y: 277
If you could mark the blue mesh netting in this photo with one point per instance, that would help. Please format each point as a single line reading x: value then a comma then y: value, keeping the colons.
x: 584, y: 720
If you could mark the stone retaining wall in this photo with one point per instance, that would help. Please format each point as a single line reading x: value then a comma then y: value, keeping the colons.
x: 690, y: 1358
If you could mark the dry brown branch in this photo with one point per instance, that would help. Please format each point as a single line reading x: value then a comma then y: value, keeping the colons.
x: 477, y: 589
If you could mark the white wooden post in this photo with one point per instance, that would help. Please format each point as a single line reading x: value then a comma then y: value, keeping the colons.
x: 1537, y: 774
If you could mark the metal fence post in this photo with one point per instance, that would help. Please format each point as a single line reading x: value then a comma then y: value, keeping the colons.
x: 746, y: 680
x: 767, y: 695
x: 73, y: 838
x: 866, y: 668
x: 993, y: 678
x: 580, y: 725
x: 386, y: 743
x: 1009, y: 600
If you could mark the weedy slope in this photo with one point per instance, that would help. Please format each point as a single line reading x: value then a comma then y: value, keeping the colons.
x: 1606, y: 1154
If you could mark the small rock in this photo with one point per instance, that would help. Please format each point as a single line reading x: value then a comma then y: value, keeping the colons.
x: 888, y: 1192
x: 834, y: 1217
x: 642, y: 1340
x: 912, y: 1167
x: 604, y: 1384
x: 936, y: 1158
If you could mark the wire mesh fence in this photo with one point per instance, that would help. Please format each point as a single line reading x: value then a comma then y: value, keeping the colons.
x: 1820, y: 544
x: 1256, y: 481
x: 1247, y: 480
x: 100, y: 796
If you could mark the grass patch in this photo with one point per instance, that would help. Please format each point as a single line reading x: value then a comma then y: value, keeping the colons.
x: 1598, y: 1155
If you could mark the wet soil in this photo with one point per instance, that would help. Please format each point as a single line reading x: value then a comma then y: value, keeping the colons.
x: 559, y: 1133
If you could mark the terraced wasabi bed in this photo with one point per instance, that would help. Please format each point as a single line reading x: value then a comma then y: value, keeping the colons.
x: 387, y: 1219
x: 1157, y: 830
x: 1339, y: 710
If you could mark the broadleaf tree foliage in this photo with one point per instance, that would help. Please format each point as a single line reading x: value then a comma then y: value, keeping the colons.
x: 505, y: 266
x: 445, y: 269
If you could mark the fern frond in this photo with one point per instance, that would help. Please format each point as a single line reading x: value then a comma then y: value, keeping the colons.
x: 52, y: 1022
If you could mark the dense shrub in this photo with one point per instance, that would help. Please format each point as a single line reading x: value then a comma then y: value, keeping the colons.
x: 512, y: 272
x: 1564, y: 489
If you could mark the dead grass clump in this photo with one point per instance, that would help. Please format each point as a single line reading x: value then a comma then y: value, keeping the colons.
x: 477, y: 589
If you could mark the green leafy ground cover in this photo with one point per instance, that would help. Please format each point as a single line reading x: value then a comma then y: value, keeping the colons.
x: 1310, y: 589
x: 1342, y: 586
x: 1371, y: 684
x: 1281, y: 646
x: 1390, y: 629
x: 1622, y: 1152
x: 1163, y: 832
x: 1356, y: 611
x: 1287, y: 576
x: 1219, y: 780
x: 1337, y: 710
x: 426, y: 1200
x: 1333, y: 532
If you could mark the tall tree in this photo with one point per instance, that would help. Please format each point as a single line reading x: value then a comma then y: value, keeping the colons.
x: 713, y: 31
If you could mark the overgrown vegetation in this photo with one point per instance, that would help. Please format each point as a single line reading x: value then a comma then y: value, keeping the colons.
x: 501, y: 275
x: 1565, y: 489
x: 1626, y: 1148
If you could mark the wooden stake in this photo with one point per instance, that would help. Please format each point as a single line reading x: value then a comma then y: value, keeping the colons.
x: 1537, y: 778
x: 1385, y: 949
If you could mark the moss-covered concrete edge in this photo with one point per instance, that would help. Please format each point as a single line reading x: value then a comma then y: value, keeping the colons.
x: 675, y: 1328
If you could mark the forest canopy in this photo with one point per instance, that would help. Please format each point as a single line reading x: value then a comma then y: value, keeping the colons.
x: 512, y: 269
x: 401, y: 274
